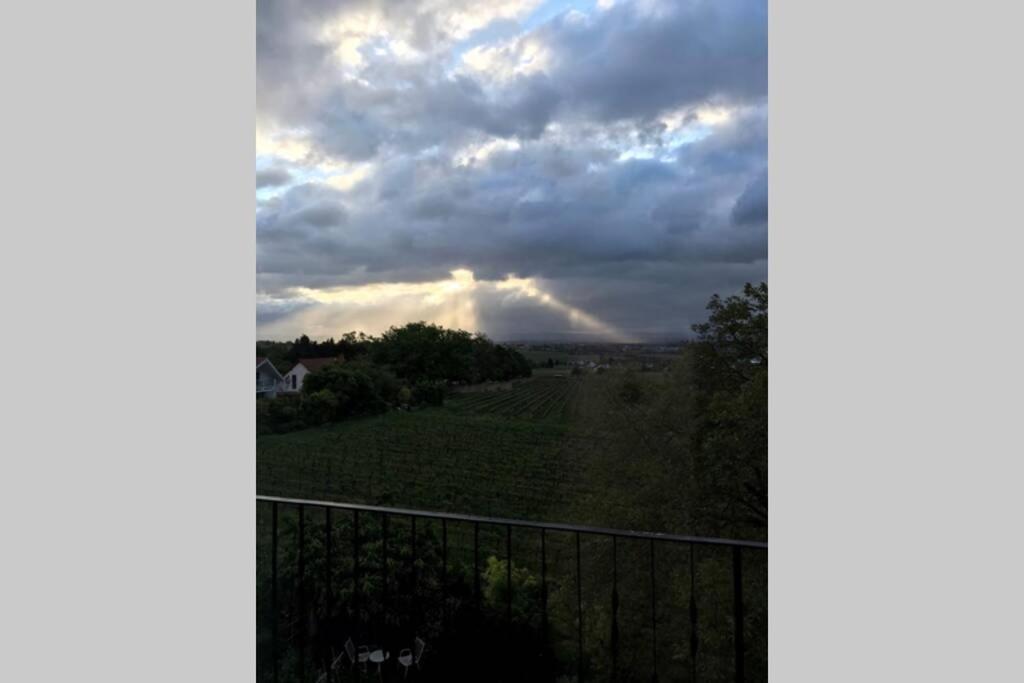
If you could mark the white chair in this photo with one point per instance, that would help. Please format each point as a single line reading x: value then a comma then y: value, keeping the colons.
x: 354, y: 657
x: 407, y: 657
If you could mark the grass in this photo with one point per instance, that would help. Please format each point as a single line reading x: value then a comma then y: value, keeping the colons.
x: 517, y: 452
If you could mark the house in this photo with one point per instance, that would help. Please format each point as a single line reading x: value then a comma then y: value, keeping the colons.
x: 268, y: 380
x: 294, y: 377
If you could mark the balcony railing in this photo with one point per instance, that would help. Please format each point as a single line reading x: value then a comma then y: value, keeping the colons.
x: 385, y: 589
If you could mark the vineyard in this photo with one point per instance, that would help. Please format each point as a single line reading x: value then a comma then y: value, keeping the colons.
x: 511, y: 452
x: 542, y: 398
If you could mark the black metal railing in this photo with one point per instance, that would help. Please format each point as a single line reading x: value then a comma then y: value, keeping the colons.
x: 306, y: 665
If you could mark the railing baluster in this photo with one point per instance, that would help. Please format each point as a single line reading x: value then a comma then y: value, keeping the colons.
x: 384, y: 563
x: 737, y: 587
x: 508, y: 559
x: 615, y: 610
x: 356, y: 617
x: 444, y: 571
x: 693, y: 616
x: 579, y: 613
x: 544, y: 584
x: 303, y: 615
x: 327, y: 581
x: 415, y: 580
x: 273, y: 588
x: 476, y: 565
x: 311, y: 637
x: 654, y: 619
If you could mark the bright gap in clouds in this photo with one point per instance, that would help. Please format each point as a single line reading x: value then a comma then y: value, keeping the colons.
x: 453, y: 303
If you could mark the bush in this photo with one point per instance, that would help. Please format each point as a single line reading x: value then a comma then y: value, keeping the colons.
x: 319, y: 407
x: 428, y: 393
x: 359, y: 389
x: 277, y: 415
x: 405, y: 396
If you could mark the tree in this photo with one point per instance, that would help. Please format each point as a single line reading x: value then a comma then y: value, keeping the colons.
x: 733, y: 344
x: 730, y: 364
x: 359, y: 390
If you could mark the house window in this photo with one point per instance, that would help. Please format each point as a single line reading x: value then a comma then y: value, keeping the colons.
x: 293, y: 382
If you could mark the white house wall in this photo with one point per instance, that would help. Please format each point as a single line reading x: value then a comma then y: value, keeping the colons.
x: 299, y: 372
x: 265, y: 375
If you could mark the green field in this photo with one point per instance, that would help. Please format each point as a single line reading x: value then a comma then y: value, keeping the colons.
x: 514, y: 452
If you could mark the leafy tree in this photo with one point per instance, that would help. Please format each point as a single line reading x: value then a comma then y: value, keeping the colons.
x: 358, y: 390
x: 730, y: 369
x: 424, y: 352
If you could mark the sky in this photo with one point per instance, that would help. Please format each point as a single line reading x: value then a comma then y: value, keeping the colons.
x: 563, y: 170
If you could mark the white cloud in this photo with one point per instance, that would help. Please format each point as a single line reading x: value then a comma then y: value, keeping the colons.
x: 521, y: 56
x: 479, y: 152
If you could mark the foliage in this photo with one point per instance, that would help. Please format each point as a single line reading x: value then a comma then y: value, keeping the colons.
x: 284, y: 355
x: 319, y: 407
x: 525, y: 588
x: 357, y: 390
x: 428, y: 393
x: 423, y: 352
x: 730, y: 439
x: 404, y: 396
x: 278, y: 415
x: 407, y: 366
x: 694, y: 439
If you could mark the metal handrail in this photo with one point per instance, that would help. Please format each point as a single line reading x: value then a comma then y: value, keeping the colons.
x: 550, y: 526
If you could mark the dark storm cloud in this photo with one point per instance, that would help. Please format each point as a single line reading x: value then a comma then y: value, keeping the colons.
x: 512, y: 214
x: 272, y: 177
x: 568, y: 173
x: 270, y: 311
x: 628, y: 64
x: 752, y: 206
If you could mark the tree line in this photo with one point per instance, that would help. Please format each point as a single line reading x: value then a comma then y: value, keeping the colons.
x: 406, y: 366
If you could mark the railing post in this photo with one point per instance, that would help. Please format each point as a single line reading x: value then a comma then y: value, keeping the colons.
x: 654, y: 619
x: 615, y: 610
x: 273, y: 588
x: 737, y: 588
x: 579, y: 612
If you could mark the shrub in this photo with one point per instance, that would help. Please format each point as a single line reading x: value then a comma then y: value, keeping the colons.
x: 319, y: 407
x: 429, y: 393
x: 359, y: 389
x: 277, y: 415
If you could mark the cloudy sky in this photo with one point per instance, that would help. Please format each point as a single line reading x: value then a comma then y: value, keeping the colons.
x: 531, y: 169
